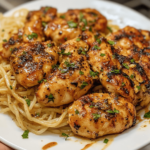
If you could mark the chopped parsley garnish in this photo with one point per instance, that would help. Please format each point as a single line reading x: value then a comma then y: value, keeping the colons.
x: 20, y: 36
x: 3, y: 30
x: 62, y: 52
x: 78, y: 39
x: 123, y: 84
x: 62, y: 16
x: 42, y: 81
x: 132, y: 60
x: 125, y: 65
x: 91, y: 106
x: 65, y: 38
x: 64, y: 134
x: 102, y: 54
x: 111, y: 42
x: 113, y: 56
x: 109, y: 28
x: 147, y: 115
x: 47, y: 8
x: 132, y: 76
x: 25, y: 134
x: 37, y: 114
x: 54, y: 66
x: 80, y: 16
x: 96, y: 47
x: 90, y: 29
x: 99, y: 41
x: 10, y: 49
x: 76, y: 111
x: 49, y: 45
x: 84, y: 84
x: 115, y: 71
x: 72, y: 24
x: 96, y: 116
x: 51, y: 98
x: 93, y: 74
x: 24, y: 53
x: 33, y: 35
x: 83, y: 29
x: 4, y: 40
x: 113, y: 111
x: 44, y: 23
x: 84, y: 21
x: 138, y: 87
x: 64, y: 70
x: 106, y: 141
x: 11, y: 87
x: 83, y: 52
x: 81, y: 73
x: 72, y: 65
x: 28, y: 102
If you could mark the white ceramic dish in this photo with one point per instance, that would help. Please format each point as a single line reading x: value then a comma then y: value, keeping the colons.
x: 131, y: 139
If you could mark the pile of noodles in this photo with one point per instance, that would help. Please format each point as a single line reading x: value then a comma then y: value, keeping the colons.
x: 35, y: 118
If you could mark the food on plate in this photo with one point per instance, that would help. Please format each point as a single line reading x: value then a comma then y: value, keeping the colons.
x: 71, y: 73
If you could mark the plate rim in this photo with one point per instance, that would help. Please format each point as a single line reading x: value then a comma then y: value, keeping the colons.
x: 10, y: 144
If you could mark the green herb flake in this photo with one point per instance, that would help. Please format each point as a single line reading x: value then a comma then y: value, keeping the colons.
x: 25, y: 134
x: 132, y: 76
x: 83, y: 29
x: 81, y: 16
x: 81, y: 73
x: 99, y: 41
x: 64, y: 134
x: 68, y: 64
x: 132, y: 61
x: 125, y: 65
x: 4, y: 40
x: 123, y: 84
x: 72, y: 24
x: 10, y: 49
x: 91, y: 106
x: 32, y: 36
x: 3, y: 30
x: 63, y: 52
x: 24, y: 53
x: 84, y: 84
x: 83, y: 52
x: 76, y: 111
x: 28, y: 102
x: 11, y: 87
x: 113, y: 111
x: 20, y: 36
x: 102, y: 54
x: 93, y: 74
x: 90, y: 29
x: 64, y: 70
x: 138, y: 87
x: 113, y: 56
x: 78, y: 39
x: 37, y: 114
x: 115, y: 71
x: 65, y: 38
x: 109, y: 28
x: 62, y: 16
x: 49, y: 45
x: 147, y: 115
x: 51, y: 98
x: 44, y: 23
x: 96, y: 116
x: 84, y: 21
x: 106, y: 141
x: 54, y: 66
x: 111, y: 42
x: 44, y: 80
x: 96, y: 47
x: 47, y: 8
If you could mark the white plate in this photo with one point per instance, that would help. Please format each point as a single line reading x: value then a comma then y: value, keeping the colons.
x: 131, y: 139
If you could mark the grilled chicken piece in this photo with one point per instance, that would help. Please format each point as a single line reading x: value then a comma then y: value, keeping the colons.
x: 72, y: 79
x: 133, y: 45
x: 70, y: 24
x: 98, y: 114
x: 32, y: 62
x: 102, y: 60
x: 36, y: 21
x: 14, y: 41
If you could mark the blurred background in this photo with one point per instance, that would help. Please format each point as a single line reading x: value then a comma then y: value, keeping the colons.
x: 141, y: 6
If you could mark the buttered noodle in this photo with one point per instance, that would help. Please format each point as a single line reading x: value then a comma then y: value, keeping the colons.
x: 35, y: 118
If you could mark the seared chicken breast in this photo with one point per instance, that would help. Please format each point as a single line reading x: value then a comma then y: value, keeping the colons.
x: 99, y: 114
x: 70, y: 24
x: 32, y: 62
x: 72, y: 79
